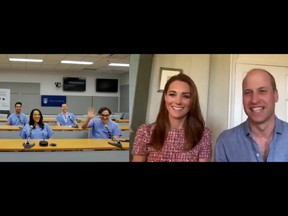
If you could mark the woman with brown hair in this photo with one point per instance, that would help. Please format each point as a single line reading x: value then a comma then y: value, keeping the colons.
x: 36, y: 128
x: 179, y: 133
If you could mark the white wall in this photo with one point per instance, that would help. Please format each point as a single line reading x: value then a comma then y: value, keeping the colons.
x: 194, y: 65
x: 47, y: 81
x: 124, y: 79
x: 262, y: 59
x: 134, y: 62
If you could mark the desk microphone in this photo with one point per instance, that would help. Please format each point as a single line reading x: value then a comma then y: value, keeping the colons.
x: 117, y: 144
x: 27, y: 143
x: 43, y: 142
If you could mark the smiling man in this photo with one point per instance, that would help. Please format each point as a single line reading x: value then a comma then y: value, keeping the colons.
x: 102, y: 127
x: 18, y: 117
x: 262, y: 137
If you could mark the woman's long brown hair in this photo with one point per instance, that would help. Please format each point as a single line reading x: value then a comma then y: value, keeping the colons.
x: 194, y: 124
x: 32, y: 122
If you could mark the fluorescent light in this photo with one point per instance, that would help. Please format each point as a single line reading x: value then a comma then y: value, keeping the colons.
x: 76, y: 62
x: 25, y: 60
x: 119, y: 64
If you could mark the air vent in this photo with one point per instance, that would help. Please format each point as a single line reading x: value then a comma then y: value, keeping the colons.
x: 90, y: 69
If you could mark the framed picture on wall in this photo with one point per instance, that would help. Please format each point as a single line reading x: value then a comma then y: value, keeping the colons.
x: 165, y: 74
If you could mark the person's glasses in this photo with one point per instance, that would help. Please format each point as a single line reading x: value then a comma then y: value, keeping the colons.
x: 104, y: 115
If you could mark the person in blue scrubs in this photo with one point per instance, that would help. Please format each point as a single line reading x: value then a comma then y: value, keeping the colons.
x: 263, y: 137
x: 102, y: 127
x: 36, y: 128
x: 66, y: 118
x: 18, y: 118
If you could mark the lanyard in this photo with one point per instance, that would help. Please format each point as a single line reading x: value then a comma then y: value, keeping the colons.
x: 20, y: 120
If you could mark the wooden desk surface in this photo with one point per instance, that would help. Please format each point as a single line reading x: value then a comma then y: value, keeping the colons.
x: 9, y: 127
x: 54, y: 128
x: 59, y: 128
x: 46, y: 120
x: 79, y: 120
x: 124, y: 127
x: 122, y: 120
x: 49, y: 120
x: 62, y: 145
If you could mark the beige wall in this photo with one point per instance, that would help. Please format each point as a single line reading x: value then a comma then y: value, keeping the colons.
x: 218, y: 98
x: 194, y: 65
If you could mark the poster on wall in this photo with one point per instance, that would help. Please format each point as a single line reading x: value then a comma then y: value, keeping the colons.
x: 5, y: 99
x: 52, y: 100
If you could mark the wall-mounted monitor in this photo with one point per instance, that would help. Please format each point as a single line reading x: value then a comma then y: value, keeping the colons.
x: 106, y: 85
x: 74, y: 84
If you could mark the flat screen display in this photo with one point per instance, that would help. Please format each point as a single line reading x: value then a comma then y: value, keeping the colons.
x: 74, y: 84
x: 106, y: 85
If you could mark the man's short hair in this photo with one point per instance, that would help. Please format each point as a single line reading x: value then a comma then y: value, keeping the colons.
x: 18, y: 103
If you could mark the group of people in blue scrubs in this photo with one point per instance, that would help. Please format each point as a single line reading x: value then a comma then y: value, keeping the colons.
x: 35, y: 128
